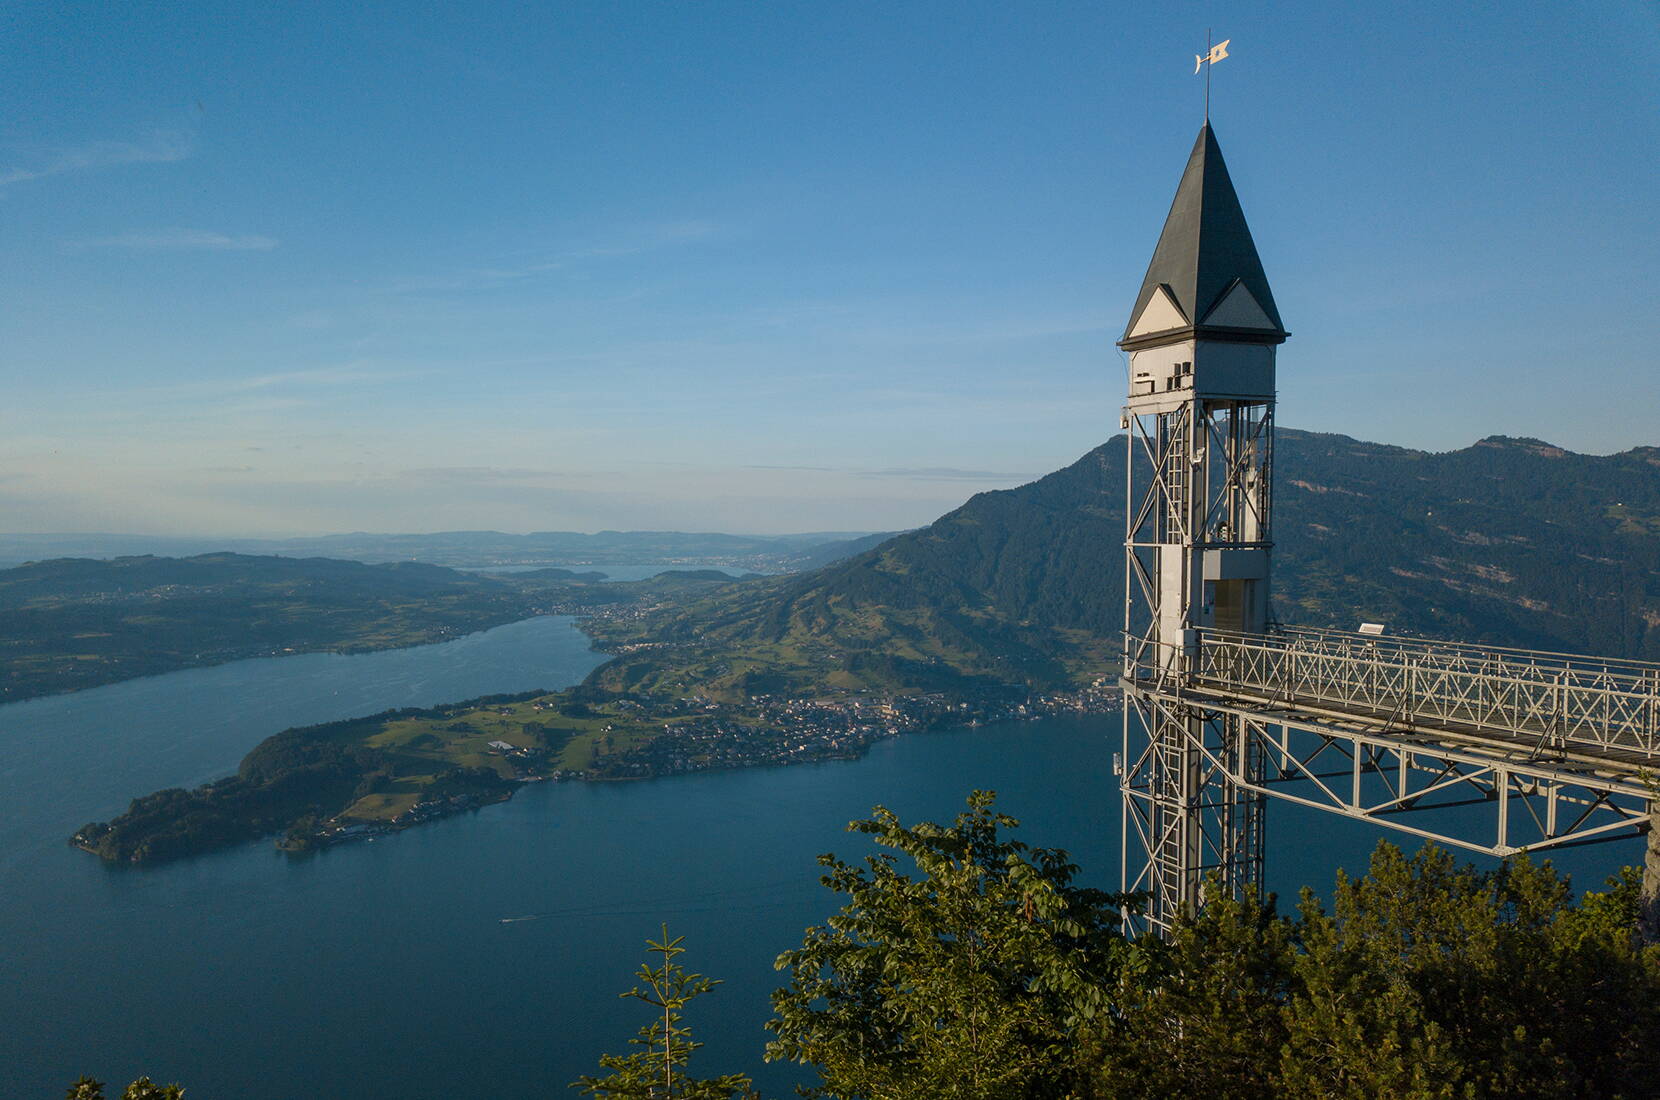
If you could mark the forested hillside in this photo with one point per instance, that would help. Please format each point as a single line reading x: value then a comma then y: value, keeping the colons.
x: 1508, y: 542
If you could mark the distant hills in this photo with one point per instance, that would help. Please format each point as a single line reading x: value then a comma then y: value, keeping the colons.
x: 475, y: 549
x: 74, y: 622
x: 1508, y: 541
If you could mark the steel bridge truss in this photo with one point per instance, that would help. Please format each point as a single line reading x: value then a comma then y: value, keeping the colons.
x: 1603, y: 714
x: 1497, y: 751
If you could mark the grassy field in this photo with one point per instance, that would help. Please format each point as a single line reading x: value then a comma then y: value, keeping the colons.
x: 423, y: 748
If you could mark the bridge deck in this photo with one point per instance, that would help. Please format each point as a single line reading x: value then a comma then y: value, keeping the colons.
x: 1552, y: 705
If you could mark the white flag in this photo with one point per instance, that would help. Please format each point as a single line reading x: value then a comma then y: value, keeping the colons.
x: 1217, y: 53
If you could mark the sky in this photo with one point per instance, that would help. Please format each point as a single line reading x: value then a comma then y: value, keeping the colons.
x: 773, y: 265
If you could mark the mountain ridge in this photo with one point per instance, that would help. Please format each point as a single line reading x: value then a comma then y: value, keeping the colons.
x: 1505, y: 542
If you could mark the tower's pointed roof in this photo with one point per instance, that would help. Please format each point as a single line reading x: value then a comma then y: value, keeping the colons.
x: 1205, y: 278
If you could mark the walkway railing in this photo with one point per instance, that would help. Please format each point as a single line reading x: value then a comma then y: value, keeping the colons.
x: 1550, y: 702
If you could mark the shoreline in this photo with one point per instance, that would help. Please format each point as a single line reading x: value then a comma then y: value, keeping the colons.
x: 369, y: 831
x: 334, y: 832
x: 438, y: 636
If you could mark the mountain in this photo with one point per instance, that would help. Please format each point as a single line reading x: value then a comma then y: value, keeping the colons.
x: 827, y: 553
x: 1508, y: 542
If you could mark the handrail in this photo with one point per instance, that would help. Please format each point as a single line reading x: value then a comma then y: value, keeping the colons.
x: 1406, y: 642
x: 1518, y: 694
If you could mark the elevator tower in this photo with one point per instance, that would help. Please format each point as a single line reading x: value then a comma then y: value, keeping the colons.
x: 1200, y: 343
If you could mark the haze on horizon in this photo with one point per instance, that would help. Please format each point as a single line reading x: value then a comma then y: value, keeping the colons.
x: 772, y: 268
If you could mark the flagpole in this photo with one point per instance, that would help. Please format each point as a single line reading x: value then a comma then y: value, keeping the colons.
x: 1209, y: 65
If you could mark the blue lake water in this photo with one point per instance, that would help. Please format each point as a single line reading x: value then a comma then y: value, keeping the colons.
x: 386, y: 968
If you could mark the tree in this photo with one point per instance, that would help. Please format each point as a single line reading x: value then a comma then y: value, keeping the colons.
x: 1428, y: 979
x: 657, y: 1070
x: 86, y: 1088
x: 970, y: 980
x: 1208, y: 1017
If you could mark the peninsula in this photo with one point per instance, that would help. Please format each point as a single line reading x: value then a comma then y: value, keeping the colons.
x: 1007, y: 606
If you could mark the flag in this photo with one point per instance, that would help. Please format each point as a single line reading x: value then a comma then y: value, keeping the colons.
x: 1217, y: 53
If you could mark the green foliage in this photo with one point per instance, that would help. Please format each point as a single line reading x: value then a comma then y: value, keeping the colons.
x: 142, y: 1089
x: 1426, y: 978
x: 988, y: 974
x: 969, y: 979
x: 1430, y: 978
x: 1207, y: 1016
x: 658, y: 1069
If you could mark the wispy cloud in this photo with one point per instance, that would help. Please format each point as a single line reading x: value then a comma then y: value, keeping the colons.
x: 913, y: 473
x: 946, y: 473
x: 156, y: 147
x: 633, y: 241
x: 259, y: 393
x: 182, y: 239
x: 475, y: 474
x: 346, y: 374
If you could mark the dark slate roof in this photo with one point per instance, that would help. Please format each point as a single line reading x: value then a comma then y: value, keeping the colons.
x: 1205, y: 246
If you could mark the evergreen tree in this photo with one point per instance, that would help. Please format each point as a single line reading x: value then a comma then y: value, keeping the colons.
x: 657, y: 1069
x: 1428, y: 978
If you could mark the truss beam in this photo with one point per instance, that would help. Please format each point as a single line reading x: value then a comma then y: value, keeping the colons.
x: 1464, y: 796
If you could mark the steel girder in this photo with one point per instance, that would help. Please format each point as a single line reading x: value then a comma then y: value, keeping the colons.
x: 1466, y: 794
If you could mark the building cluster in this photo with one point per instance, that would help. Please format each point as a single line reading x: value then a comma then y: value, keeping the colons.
x: 776, y: 730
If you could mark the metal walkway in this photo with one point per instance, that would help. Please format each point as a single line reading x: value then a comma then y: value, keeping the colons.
x: 1490, y: 749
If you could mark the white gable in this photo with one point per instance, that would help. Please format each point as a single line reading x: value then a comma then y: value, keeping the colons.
x: 1160, y: 315
x: 1239, y: 309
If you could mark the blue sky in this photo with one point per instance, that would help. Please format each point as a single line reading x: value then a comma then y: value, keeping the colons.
x: 772, y: 266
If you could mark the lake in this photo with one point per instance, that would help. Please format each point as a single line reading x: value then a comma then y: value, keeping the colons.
x: 480, y: 955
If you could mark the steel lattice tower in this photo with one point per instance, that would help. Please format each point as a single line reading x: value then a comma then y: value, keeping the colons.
x: 1225, y: 709
x: 1200, y: 419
